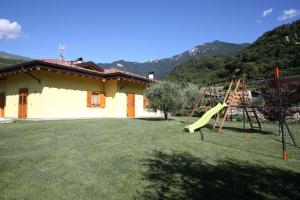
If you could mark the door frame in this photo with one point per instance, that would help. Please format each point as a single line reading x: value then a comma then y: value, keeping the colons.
x: 2, y: 94
x: 23, y: 107
x: 132, y: 95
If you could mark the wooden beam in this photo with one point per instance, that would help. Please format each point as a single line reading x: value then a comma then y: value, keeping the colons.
x: 34, y: 77
x: 226, y: 112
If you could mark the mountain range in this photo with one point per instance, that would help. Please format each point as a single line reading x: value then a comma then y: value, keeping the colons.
x: 278, y: 47
x: 215, y: 60
x: 162, y: 67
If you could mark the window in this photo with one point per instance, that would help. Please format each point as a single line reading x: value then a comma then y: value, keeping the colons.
x: 22, y: 99
x: 96, y: 99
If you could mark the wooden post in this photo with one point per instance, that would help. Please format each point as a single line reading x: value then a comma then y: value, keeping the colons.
x: 244, y: 107
x: 196, y: 106
x: 226, y: 112
x: 224, y: 101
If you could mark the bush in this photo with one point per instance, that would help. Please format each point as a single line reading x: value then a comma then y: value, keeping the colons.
x: 190, y: 95
x: 290, y: 91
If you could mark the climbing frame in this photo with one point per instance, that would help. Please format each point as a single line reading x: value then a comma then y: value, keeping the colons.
x: 237, y: 96
x: 210, y: 93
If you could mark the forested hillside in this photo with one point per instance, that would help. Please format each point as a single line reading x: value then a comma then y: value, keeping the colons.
x: 12, y: 56
x: 200, y: 70
x: 5, y: 62
x: 7, y: 59
x: 279, y: 47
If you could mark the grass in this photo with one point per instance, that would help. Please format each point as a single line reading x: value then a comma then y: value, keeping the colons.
x: 144, y: 159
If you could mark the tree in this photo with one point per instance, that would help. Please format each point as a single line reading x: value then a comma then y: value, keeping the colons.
x: 164, y: 96
x: 190, y: 94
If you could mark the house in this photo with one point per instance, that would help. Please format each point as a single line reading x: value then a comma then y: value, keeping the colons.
x: 52, y: 88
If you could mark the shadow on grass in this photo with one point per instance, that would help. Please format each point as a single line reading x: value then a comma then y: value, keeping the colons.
x: 185, y: 122
x: 241, y: 130
x: 182, y: 176
x: 245, y: 150
x: 154, y: 119
x: 288, y: 143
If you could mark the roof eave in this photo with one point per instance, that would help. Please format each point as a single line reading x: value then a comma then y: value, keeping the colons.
x: 42, y: 64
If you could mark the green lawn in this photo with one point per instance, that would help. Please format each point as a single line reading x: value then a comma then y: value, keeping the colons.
x: 144, y: 159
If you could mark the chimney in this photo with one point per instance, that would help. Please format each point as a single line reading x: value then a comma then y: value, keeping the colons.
x: 151, y: 75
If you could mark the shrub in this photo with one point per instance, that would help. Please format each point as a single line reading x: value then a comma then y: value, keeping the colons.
x: 290, y: 91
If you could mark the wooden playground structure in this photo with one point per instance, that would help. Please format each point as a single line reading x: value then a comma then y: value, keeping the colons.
x: 236, y: 97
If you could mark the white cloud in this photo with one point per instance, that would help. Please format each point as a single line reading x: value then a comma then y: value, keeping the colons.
x: 287, y: 14
x: 267, y: 12
x: 9, y: 30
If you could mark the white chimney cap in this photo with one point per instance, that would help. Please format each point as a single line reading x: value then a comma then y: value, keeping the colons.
x: 151, y: 75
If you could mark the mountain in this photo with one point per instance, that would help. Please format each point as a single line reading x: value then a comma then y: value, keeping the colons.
x: 278, y: 47
x: 7, y: 59
x: 164, y: 66
x: 200, y: 70
x: 12, y: 56
x: 5, y: 62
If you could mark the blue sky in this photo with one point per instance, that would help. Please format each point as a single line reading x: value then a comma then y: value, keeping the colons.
x: 134, y: 30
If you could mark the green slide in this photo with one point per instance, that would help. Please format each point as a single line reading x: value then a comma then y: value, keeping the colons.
x: 205, y: 118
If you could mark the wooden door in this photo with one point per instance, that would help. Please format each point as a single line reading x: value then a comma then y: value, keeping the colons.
x: 23, y: 99
x: 2, y: 104
x: 130, y: 105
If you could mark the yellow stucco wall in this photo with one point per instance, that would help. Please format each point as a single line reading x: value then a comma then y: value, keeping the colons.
x: 138, y: 90
x: 111, y: 99
x: 13, y: 84
x: 65, y: 96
